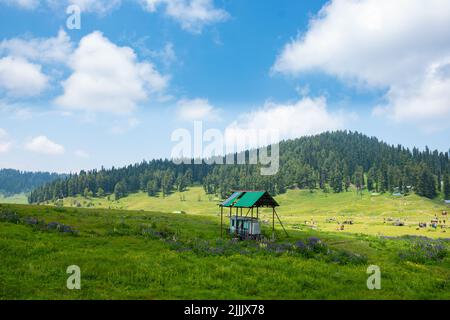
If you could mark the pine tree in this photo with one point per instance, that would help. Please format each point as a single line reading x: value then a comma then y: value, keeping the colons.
x: 359, y: 177
x: 100, y: 192
x: 446, y: 187
x: 120, y: 190
x: 152, y: 188
x: 426, y: 185
x: 371, y: 179
x: 336, y: 180
x: 86, y: 193
x: 327, y: 159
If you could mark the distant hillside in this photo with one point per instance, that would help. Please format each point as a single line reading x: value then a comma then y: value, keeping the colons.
x: 14, y: 181
x: 331, y: 161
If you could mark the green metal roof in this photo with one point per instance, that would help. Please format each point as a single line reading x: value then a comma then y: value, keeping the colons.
x: 249, y: 199
x: 231, y: 200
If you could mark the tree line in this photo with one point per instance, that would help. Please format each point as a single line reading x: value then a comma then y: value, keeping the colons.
x: 14, y: 181
x: 331, y: 161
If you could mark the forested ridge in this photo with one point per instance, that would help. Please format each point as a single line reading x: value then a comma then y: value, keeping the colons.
x: 331, y: 161
x: 15, y: 181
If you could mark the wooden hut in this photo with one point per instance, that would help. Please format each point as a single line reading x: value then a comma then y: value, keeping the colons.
x: 248, y: 226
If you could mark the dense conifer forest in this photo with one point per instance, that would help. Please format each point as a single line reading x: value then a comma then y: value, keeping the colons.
x: 331, y: 161
x: 15, y: 181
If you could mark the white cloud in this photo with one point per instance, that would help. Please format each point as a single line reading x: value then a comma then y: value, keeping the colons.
x: 15, y: 111
x: 3, y: 133
x: 47, y: 50
x: 307, y: 116
x: 44, y: 145
x: 108, y: 78
x: 21, y: 78
x: 193, y: 15
x: 399, y: 45
x: 428, y: 99
x: 5, y: 144
x: 121, y: 127
x: 196, y: 109
x: 81, y: 154
x: 97, y: 6
x: 166, y: 55
x: 92, y: 6
x: 25, y: 4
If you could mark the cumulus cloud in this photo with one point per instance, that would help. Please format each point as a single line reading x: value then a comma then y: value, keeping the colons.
x: 5, y: 143
x: 192, y: 15
x: 97, y: 6
x: 19, y: 77
x: 166, y: 55
x: 47, y: 50
x: 196, y: 109
x: 92, y: 6
x: 25, y: 4
x: 108, y: 78
x: 44, y: 145
x: 400, y: 45
x: 307, y: 116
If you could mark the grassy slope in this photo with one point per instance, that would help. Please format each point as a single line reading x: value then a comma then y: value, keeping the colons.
x: 298, y: 206
x: 17, y: 199
x: 117, y: 261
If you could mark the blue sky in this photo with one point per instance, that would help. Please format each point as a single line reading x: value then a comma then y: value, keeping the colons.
x: 112, y: 92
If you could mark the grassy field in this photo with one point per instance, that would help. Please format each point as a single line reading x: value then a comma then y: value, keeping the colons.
x: 138, y: 254
x: 371, y: 214
x: 17, y: 199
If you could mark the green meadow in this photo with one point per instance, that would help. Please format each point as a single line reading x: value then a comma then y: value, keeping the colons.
x: 371, y: 214
x: 138, y: 248
x: 17, y: 199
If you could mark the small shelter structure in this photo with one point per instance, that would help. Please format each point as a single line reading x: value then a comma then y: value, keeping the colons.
x: 248, y: 226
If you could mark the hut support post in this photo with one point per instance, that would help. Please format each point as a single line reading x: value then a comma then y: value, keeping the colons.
x: 221, y: 222
x: 236, y: 222
x: 273, y: 223
x: 251, y: 223
x: 275, y: 212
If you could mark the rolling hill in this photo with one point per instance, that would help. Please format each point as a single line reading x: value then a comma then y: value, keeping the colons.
x: 152, y: 230
x: 331, y: 161
x: 15, y: 182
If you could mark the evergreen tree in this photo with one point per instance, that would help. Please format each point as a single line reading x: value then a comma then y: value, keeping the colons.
x: 100, y: 192
x: 336, y: 180
x: 446, y: 186
x: 359, y: 178
x: 329, y: 159
x: 371, y: 179
x: 426, y: 186
x: 152, y: 188
x: 120, y: 190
